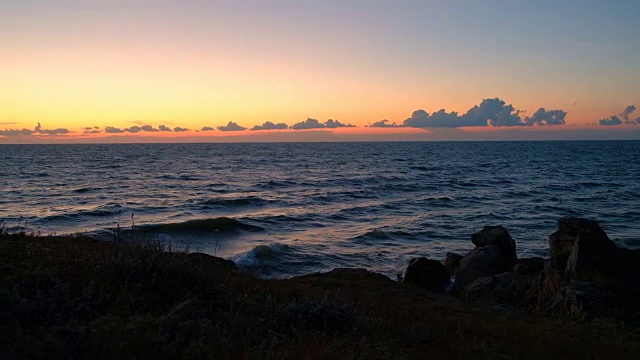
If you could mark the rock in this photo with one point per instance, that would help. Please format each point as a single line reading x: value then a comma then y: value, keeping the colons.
x: 319, y: 316
x: 529, y: 266
x: 572, y: 228
x: 452, y: 262
x: 584, y: 298
x: 480, y: 262
x: 213, y: 261
x: 427, y: 274
x: 493, y: 288
x: 498, y: 236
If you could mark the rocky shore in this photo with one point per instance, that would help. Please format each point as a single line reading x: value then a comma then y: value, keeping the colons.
x: 70, y: 297
x: 586, y: 275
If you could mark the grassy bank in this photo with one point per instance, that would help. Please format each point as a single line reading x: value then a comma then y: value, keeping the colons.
x: 75, y: 297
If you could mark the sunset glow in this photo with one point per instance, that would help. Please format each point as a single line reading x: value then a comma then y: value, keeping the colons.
x: 84, y: 67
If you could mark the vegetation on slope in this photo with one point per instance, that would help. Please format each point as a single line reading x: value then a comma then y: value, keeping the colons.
x: 76, y: 297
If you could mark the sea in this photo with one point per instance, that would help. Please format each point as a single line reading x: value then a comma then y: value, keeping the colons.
x: 285, y: 209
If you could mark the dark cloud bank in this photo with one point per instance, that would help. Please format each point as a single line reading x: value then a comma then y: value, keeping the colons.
x: 624, y: 117
x: 490, y: 112
x: 143, y: 128
x: 37, y: 130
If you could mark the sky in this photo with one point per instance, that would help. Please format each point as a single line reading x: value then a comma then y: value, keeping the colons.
x: 318, y: 70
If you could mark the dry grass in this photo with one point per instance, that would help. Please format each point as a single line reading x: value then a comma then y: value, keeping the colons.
x: 75, y: 297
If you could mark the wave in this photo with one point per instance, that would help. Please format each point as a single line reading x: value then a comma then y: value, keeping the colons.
x: 235, y: 202
x: 98, y: 211
x: 220, y: 224
x: 261, y: 254
x: 385, y: 237
x: 273, y: 184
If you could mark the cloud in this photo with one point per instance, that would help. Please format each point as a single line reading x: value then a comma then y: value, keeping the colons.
x: 231, y: 126
x: 383, y: 124
x: 311, y: 123
x: 207, y: 128
x: 307, y: 124
x: 180, y: 129
x: 91, y: 130
x: 133, y: 129
x: 628, y: 110
x: 37, y: 130
x: 544, y: 117
x: 8, y: 123
x: 611, y: 121
x: 623, y: 117
x: 268, y: 125
x: 16, y: 132
x: 332, y: 124
x: 57, y: 131
x: 490, y: 112
x: 164, y: 128
x: 113, y: 130
x: 149, y: 128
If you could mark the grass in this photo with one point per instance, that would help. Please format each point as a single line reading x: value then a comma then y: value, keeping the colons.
x: 76, y: 297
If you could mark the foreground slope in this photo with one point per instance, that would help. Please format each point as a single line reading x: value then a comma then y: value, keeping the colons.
x: 76, y: 297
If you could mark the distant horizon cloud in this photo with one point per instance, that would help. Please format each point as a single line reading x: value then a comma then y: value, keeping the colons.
x: 207, y: 128
x: 179, y: 129
x: 383, y: 124
x: 623, y: 118
x: 113, y: 130
x: 268, y: 125
x: 91, y: 130
x: 148, y: 128
x: 231, y: 126
x: 164, y: 128
x: 490, y: 112
x: 37, y: 130
x: 312, y: 123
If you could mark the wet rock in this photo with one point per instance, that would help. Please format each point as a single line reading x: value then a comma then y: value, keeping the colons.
x: 452, y: 262
x: 427, y: 274
x: 572, y: 228
x: 584, y: 298
x: 480, y: 262
x: 492, y: 289
x: 529, y: 266
x: 499, y: 237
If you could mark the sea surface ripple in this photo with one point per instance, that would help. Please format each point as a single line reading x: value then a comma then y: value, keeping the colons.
x: 284, y: 209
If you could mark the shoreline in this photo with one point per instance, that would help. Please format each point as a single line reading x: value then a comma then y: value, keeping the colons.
x: 80, y: 297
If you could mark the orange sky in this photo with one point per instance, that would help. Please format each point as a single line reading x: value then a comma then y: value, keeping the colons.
x: 71, y: 66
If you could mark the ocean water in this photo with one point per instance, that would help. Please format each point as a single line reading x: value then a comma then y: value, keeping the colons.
x: 285, y: 209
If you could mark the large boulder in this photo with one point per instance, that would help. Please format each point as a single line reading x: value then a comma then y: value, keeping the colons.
x: 499, y: 237
x: 494, y: 288
x: 588, y: 275
x: 529, y: 266
x: 480, y: 262
x: 427, y: 274
x: 571, y: 229
x: 452, y: 262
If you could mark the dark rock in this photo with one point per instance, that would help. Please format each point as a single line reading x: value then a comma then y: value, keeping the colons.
x: 480, y: 262
x: 584, y: 298
x: 498, y: 236
x: 320, y: 316
x: 529, y: 266
x: 213, y: 261
x: 452, y: 262
x: 427, y: 274
x: 572, y: 228
x: 493, y: 288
